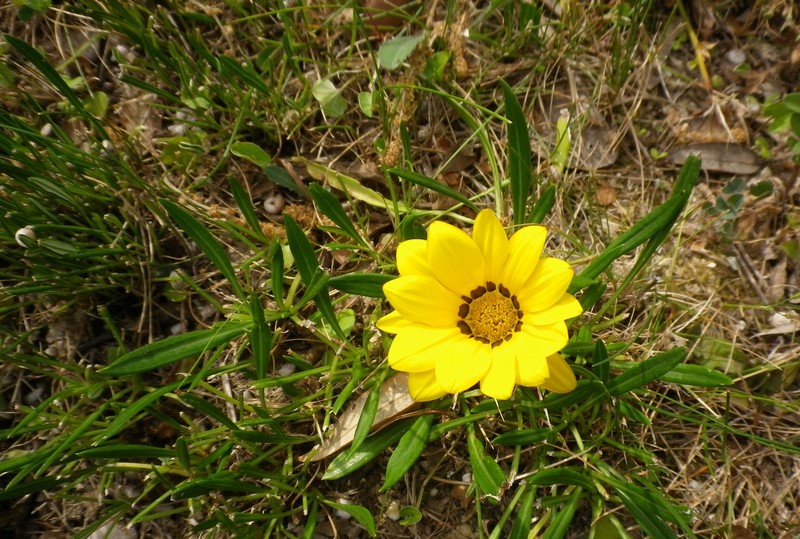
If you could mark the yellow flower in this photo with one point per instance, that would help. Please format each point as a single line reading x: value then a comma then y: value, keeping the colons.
x: 485, y: 309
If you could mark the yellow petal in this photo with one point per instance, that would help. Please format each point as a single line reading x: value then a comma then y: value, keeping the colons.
x: 455, y: 259
x: 502, y: 376
x: 532, y: 367
x: 525, y: 249
x: 491, y: 239
x: 565, y: 308
x: 412, y: 258
x: 423, y: 300
x: 562, y: 379
x: 546, y: 286
x: 417, y: 349
x: 392, y: 323
x: 422, y: 386
x: 546, y: 340
x: 461, y: 364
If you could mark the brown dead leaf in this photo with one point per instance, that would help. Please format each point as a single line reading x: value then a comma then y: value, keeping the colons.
x: 393, y: 401
x: 720, y: 157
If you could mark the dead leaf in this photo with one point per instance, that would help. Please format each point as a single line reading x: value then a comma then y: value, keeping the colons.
x: 720, y: 157
x: 394, y: 399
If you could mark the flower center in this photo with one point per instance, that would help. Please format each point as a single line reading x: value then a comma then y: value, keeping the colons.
x: 490, y: 314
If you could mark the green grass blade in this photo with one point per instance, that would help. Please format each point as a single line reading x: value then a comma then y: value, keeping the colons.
x: 560, y: 524
x: 655, y: 224
x: 361, y: 284
x: 521, y: 528
x: 206, y: 242
x: 246, y: 207
x: 433, y: 185
x: 408, y: 450
x: 205, y: 407
x: 519, y: 154
x: 648, y: 511
x: 543, y: 206
x: 260, y: 338
x: 645, y: 372
x: 367, y: 417
x: 49, y: 72
x: 172, y: 349
x: 310, y: 271
x: 126, y: 416
x: 329, y: 205
x: 346, y: 463
x: 564, y: 475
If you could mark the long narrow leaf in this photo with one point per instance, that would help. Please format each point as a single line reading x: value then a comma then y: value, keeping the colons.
x: 329, y: 205
x: 519, y: 154
x: 408, y: 450
x: 361, y: 284
x: 375, y: 445
x: 651, y: 225
x: 207, y: 243
x: 172, y: 349
x: 646, y: 371
x: 433, y: 185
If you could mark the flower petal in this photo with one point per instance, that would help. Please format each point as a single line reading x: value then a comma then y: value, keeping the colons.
x: 461, y: 364
x: 489, y: 235
x: 532, y: 367
x: 546, y: 286
x: 423, y: 300
x: 455, y: 259
x: 546, y: 340
x: 412, y: 258
x: 422, y: 386
x: 394, y: 322
x: 525, y: 249
x: 499, y: 382
x: 562, y: 379
x: 563, y: 309
x: 416, y: 349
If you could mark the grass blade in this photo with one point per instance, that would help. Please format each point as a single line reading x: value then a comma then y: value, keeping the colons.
x: 329, y: 205
x: 408, y: 450
x: 172, y: 349
x: 645, y: 372
x: 361, y: 284
x: 203, y: 238
x: 487, y: 473
x: 519, y: 154
x: 433, y: 185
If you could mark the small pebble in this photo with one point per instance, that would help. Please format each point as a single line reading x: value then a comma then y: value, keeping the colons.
x: 736, y: 56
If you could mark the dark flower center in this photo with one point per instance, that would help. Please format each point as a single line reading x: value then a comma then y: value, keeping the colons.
x: 490, y: 314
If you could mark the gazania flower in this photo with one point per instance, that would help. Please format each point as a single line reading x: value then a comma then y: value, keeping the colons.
x: 484, y: 309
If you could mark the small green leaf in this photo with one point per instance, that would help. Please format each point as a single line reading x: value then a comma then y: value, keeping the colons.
x: 649, y: 511
x: 361, y: 514
x: 251, y: 152
x: 246, y: 207
x: 220, y: 482
x: 173, y: 349
x: 329, y: 98
x: 302, y: 250
x: 394, y: 52
x: 435, y: 66
x: 260, y: 338
x: 564, y: 475
x: 645, y: 372
x: 126, y: 451
x: 97, y: 104
x: 696, y: 375
x: 365, y: 103
x: 367, y: 417
x: 487, y: 473
x: 408, y: 450
x: 409, y: 515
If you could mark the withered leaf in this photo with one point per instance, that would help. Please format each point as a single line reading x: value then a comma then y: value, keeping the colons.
x: 393, y: 401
